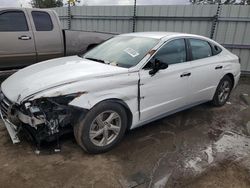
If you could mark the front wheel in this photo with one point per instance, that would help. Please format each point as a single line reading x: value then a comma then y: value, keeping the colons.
x: 102, y: 128
x: 223, y: 91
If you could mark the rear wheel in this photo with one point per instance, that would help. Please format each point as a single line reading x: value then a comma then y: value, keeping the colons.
x: 223, y: 91
x: 102, y: 128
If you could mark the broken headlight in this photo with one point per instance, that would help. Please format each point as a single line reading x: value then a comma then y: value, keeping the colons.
x: 54, y: 111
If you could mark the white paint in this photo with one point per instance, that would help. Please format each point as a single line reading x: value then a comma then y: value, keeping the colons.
x: 233, y: 144
x: 209, y: 153
x: 53, y: 73
x: 162, y: 182
x: 229, y: 145
x: 193, y: 164
x: 162, y: 93
x: 131, y: 52
x: 165, y: 91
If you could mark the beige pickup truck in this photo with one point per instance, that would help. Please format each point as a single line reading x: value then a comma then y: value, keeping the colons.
x: 28, y: 36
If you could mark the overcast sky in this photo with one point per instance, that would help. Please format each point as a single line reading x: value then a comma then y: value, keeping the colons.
x: 25, y: 3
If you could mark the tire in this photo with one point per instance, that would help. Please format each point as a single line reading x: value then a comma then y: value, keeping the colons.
x: 102, y: 120
x: 225, y: 85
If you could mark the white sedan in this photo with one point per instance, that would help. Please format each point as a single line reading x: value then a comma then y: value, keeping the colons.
x: 125, y: 82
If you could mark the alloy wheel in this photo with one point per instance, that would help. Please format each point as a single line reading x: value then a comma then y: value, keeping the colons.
x: 224, y: 91
x: 105, y: 128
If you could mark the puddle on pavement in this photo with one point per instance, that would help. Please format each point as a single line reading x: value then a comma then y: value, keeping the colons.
x: 224, y: 176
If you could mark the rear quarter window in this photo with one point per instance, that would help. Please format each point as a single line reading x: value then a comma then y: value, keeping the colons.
x: 216, y: 49
x: 42, y: 21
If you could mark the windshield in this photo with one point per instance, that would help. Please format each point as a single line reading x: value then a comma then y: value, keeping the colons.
x: 123, y: 51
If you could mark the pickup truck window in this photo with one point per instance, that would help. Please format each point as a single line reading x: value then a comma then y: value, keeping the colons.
x: 13, y: 21
x: 42, y: 21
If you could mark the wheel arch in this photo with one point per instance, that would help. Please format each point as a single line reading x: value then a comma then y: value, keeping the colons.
x: 231, y: 76
x: 89, y: 102
x: 124, y: 105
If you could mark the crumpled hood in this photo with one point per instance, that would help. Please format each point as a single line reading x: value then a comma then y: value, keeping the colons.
x: 52, y: 73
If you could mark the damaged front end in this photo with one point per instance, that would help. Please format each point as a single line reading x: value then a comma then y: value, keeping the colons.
x: 42, y: 118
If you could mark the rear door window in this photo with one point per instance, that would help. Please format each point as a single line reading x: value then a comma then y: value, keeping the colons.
x: 200, y: 49
x: 42, y: 21
x: 13, y: 21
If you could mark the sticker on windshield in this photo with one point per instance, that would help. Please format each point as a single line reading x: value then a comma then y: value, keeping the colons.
x: 131, y: 52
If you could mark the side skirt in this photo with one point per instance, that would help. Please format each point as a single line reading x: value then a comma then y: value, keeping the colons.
x: 167, y: 114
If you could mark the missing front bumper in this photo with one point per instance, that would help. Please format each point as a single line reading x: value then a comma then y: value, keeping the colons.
x: 11, y: 128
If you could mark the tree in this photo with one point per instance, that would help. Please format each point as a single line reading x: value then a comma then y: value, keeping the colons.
x: 46, y: 3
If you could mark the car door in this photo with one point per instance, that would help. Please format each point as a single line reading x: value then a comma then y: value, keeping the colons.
x: 206, y: 69
x: 48, y: 35
x: 17, y: 47
x: 165, y: 91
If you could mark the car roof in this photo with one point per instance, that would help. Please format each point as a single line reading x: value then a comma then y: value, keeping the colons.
x: 156, y: 35
x: 164, y: 36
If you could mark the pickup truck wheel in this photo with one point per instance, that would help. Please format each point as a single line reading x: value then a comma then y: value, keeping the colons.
x: 101, y: 128
x: 223, y: 91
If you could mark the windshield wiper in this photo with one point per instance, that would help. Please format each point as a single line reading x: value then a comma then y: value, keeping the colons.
x: 94, y: 59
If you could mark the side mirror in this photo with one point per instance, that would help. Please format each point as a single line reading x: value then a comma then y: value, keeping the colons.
x: 156, y: 66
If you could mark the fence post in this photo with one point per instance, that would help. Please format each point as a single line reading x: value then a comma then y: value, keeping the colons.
x: 215, y: 21
x: 134, y: 16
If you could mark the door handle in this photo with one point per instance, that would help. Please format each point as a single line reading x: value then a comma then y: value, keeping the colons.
x: 218, y: 67
x: 24, y: 37
x: 186, y: 74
